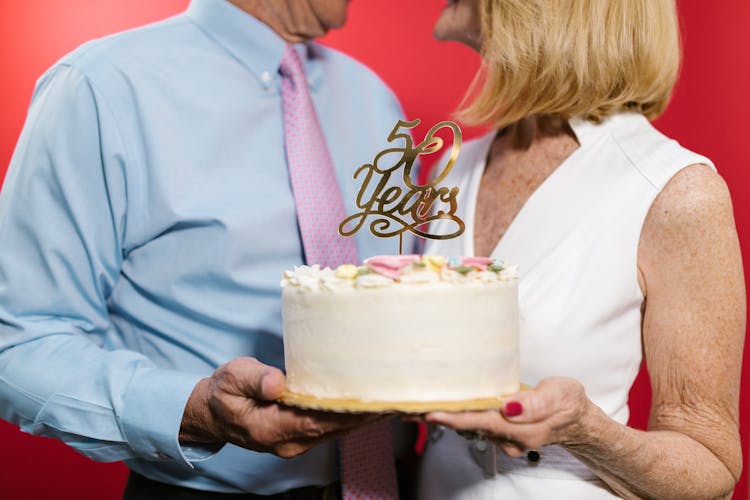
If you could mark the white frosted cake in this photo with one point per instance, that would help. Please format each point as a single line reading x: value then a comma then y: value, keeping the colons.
x: 406, y: 332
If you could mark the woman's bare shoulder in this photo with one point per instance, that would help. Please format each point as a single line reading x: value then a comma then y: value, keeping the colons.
x: 693, y: 194
x: 690, y: 222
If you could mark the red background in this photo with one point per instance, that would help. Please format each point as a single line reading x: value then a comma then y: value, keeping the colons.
x: 708, y: 114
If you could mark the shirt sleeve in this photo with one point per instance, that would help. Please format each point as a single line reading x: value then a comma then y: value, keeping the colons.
x: 62, y: 218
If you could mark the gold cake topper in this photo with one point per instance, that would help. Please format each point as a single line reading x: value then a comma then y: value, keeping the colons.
x: 398, y: 209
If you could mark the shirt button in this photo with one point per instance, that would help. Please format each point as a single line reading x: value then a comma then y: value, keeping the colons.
x: 533, y: 456
x: 266, y: 78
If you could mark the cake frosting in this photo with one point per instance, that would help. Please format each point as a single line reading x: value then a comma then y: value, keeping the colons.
x: 405, y: 328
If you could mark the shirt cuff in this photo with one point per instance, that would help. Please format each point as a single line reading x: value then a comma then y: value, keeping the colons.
x: 152, y: 415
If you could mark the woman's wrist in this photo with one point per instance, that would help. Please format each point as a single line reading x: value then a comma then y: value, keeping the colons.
x: 588, y: 429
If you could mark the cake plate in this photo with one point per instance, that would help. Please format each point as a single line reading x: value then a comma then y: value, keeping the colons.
x: 308, y: 402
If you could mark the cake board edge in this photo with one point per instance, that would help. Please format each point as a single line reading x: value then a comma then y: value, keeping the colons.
x: 307, y: 402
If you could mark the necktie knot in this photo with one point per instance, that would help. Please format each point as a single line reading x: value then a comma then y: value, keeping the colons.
x: 291, y: 66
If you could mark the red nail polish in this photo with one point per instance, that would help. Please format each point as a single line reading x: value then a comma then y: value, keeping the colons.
x: 513, y: 409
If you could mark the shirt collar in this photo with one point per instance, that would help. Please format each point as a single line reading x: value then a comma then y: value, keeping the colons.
x: 251, y: 42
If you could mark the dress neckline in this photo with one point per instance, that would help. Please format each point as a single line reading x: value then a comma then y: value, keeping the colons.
x: 585, y: 133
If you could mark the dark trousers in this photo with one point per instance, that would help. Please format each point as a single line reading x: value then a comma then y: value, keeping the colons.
x: 142, y: 488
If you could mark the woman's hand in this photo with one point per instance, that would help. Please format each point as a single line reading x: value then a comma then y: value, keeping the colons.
x: 556, y: 411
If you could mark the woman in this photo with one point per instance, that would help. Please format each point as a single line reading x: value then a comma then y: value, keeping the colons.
x: 627, y: 250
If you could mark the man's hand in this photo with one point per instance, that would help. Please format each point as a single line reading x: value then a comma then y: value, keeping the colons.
x: 237, y: 404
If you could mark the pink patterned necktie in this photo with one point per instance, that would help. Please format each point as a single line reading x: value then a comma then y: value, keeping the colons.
x: 366, y: 455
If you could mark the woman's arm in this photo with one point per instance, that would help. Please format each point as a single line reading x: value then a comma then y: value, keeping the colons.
x: 693, y: 331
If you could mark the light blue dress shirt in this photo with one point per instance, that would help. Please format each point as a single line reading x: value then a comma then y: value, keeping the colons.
x: 145, y: 221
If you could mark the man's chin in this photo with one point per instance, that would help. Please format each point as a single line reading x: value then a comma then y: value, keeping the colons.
x: 337, y: 23
x: 302, y: 37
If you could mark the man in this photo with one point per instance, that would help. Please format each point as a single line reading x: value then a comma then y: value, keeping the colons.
x: 145, y: 220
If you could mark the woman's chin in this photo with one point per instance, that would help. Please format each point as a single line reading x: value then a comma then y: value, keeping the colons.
x: 442, y: 35
x: 444, y: 29
x: 439, y: 34
x: 456, y: 24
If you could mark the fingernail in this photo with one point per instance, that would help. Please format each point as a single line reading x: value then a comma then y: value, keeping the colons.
x: 513, y: 409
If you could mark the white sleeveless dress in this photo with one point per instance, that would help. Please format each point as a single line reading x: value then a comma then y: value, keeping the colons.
x: 575, y: 242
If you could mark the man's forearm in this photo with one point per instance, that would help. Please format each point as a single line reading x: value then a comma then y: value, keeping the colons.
x: 65, y: 386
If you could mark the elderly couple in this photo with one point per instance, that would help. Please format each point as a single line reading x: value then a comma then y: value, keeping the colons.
x: 148, y: 212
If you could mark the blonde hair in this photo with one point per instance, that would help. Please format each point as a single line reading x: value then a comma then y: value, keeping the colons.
x: 573, y: 58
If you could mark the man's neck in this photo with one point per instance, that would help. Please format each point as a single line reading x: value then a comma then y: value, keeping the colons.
x: 265, y: 13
